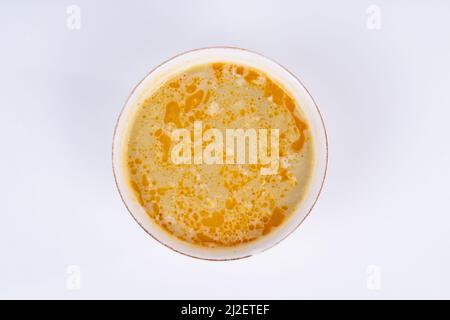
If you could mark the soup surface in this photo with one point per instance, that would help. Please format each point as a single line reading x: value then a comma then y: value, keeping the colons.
x: 218, y: 204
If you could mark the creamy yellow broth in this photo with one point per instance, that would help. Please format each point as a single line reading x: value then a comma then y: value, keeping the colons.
x: 218, y: 205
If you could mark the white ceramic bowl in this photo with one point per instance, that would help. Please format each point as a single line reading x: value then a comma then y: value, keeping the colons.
x: 221, y: 54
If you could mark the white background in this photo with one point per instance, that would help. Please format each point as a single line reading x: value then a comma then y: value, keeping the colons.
x: 384, y: 95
